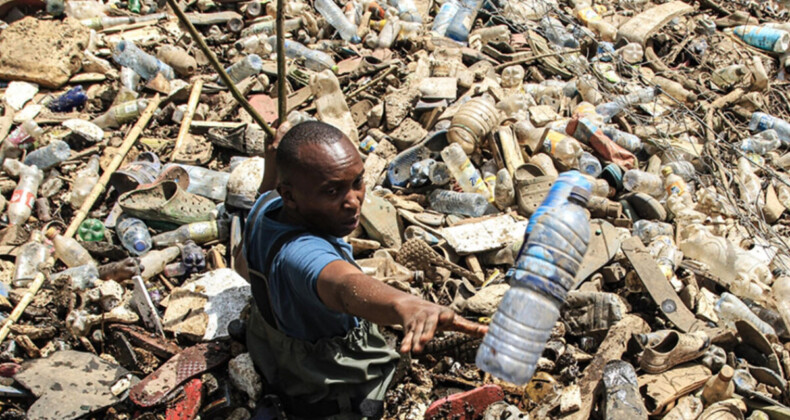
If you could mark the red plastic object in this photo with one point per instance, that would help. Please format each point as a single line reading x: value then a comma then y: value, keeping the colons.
x: 465, y: 405
x: 188, y: 407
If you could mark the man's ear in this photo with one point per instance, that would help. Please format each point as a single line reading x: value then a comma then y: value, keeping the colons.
x: 286, y: 193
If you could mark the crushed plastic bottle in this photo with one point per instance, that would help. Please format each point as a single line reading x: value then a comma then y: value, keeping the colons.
x: 30, y: 259
x: 84, y: 182
x: 730, y: 309
x: 761, y: 121
x: 564, y: 149
x: 314, y: 60
x: 467, y: 176
x: 610, y: 109
x: 335, y: 17
x: 640, y: 181
x: 147, y: 66
x: 27, y: 132
x: 451, y: 202
x: 762, y: 142
x: 462, y: 22
x: 244, y: 68
x: 134, y: 235
x: 50, y: 155
x: 648, y: 230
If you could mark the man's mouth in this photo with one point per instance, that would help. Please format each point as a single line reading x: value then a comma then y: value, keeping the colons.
x: 352, y: 223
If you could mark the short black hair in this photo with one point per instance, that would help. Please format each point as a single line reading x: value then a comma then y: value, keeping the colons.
x: 307, y: 132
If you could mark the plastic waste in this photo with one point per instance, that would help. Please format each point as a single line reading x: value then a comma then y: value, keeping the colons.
x: 727, y: 77
x: 640, y: 181
x: 750, y: 185
x: 589, y: 164
x: 632, y: 53
x: 443, y: 18
x: 314, y: 60
x: 183, y: 63
x: 648, y: 230
x: 593, y: 20
x: 91, y: 230
x: 764, y: 37
x: 27, y: 132
x: 244, y: 68
x: 134, y: 235
x: 69, y: 250
x: 762, y: 142
x: 147, y: 66
x: 555, y: 32
x: 154, y: 261
x: 84, y: 182
x: 205, y: 182
x: 335, y: 17
x: 462, y: 22
x: 199, y: 232
x: 557, y: 195
x: 464, y: 172
x: 504, y: 194
x: 781, y: 295
x: 389, y: 33
x: 667, y: 255
x: 74, y: 98
x: 719, y: 387
x: 564, y: 149
x: 544, y: 272
x: 193, y: 258
x: 20, y: 206
x: 121, y: 114
x: 83, y: 277
x: 29, y: 259
x: 627, y: 141
x: 451, y: 202
x: 761, y: 121
x: 269, y: 27
x: 50, y: 155
x: 610, y: 109
x: 730, y: 309
x: 683, y: 168
x: 407, y: 10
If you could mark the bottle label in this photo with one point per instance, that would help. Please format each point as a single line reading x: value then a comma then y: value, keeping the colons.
x: 676, y: 188
x: 553, y: 138
x: 588, y: 15
x: 126, y: 112
x: 761, y: 37
x: 203, y: 232
x: 23, y: 196
x: 766, y: 122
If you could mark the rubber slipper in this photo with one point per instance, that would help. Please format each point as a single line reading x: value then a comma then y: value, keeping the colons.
x: 166, y: 202
x: 646, y: 207
x: 467, y: 405
x: 532, y: 186
x: 190, y: 362
x: 187, y: 408
x: 142, y: 171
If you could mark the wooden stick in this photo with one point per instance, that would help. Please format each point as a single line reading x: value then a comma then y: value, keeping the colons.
x: 378, y: 78
x: 22, y: 305
x: 218, y: 68
x: 183, y: 132
x: 98, y: 189
x: 282, y: 97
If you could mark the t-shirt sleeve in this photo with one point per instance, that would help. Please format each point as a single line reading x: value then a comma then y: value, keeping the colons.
x: 301, y: 261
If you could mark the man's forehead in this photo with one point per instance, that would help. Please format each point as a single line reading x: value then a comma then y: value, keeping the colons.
x: 328, y: 157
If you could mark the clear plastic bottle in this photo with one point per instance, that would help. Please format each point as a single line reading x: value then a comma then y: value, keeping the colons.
x: 69, y: 250
x: 761, y: 121
x: 389, y: 33
x: 52, y: 154
x: 84, y: 182
x: 730, y: 309
x: 134, y: 235
x: 647, y: 230
x: 244, y: 68
x: 464, y: 172
x: 256, y: 44
x: 557, y: 34
x: 269, y: 27
x: 544, y: 272
x: 563, y: 148
x: 29, y: 259
x: 121, y: 114
x: 762, y: 142
x: 444, y: 17
x: 590, y: 164
x: 627, y: 141
x: 750, y: 185
x: 593, y: 20
x: 83, y: 277
x: 504, y: 194
x: 27, y: 132
x: 205, y: 182
x: 610, y: 109
x: 463, y: 20
x: 683, y: 168
x: 313, y: 59
x: 719, y: 387
x: 558, y: 194
x: 147, y: 66
x: 640, y: 181
x: 154, y: 261
x: 407, y: 10
x: 451, y: 202
x: 675, y: 186
x: 21, y: 204
x: 599, y: 187
x: 335, y: 17
x: 666, y: 253
x: 199, y: 232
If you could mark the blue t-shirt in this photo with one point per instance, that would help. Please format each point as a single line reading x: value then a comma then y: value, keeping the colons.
x: 294, y: 274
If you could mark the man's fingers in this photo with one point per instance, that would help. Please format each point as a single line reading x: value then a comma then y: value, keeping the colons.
x: 428, y: 331
x: 419, y: 327
x: 405, y: 345
x: 465, y: 326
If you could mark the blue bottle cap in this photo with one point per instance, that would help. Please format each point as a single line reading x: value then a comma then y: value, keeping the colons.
x: 139, y: 246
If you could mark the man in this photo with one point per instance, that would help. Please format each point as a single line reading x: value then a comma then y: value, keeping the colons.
x: 312, y: 331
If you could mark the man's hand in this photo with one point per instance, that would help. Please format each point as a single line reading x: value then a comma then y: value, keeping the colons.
x: 422, y: 319
x: 270, y: 155
x: 271, y: 146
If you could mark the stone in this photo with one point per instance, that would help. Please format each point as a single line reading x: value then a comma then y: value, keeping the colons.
x: 407, y: 134
x: 541, y: 115
x: 486, y: 301
x: 244, y: 377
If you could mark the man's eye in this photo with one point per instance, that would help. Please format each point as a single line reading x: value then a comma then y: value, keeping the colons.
x: 331, y: 191
x: 358, y: 182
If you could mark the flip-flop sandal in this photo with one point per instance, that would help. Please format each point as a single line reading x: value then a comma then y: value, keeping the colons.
x: 646, y: 207
x: 166, y: 202
x: 173, y: 173
x: 142, y: 171
x: 196, y: 151
x: 190, y: 362
x: 532, y: 186
x: 188, y: 407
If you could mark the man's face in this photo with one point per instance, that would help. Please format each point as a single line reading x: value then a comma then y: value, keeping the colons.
x: 328, y: 192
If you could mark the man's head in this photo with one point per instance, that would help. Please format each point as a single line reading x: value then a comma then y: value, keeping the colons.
x: 320, y: 178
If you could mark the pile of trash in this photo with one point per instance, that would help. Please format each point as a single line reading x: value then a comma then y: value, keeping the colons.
x: 128, y: 167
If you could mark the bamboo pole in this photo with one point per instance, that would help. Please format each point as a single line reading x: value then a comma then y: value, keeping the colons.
x: 183, y: 132
x: 22, y: 305
x: 218, y: 68
x: 282, y: 97
x: 98, y: 189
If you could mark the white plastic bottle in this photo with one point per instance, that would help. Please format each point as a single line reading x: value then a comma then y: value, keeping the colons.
x: 467, y: 176
x: 641, y: 181
x: 21, y: 204
x: 563, y: 148
x: 85, y: 181
x: 335, y: 17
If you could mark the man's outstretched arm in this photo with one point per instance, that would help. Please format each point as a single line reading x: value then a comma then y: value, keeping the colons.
x: 343, y: 288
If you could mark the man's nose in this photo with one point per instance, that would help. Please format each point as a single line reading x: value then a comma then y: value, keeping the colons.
x: 353, y: 200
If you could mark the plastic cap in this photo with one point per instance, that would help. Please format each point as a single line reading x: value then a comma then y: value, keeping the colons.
x: 139, y: 246
x: 667, y: 170
x: 581, y: 193
x: 51, y: 233
x: 726, y: 373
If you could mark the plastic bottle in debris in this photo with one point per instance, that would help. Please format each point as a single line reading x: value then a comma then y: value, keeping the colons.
x: 244, y: 68
x: 134, y: 235
x: 389, y: 33
x: 147, y: 66
x: 674, y: 89
x: 27, y: 132
x: 610, y: 109
x: 627, y: 141
x: 193, y: 257
x: 29, y: 259
x: 205, y: 182
x: 558, y: 194
x: 84, y: 182
x: 719, y: 387
x: 464, y: 172
x: 750, y: 185
x: 593, y: 20
x: 121, y: 114
x: 557, y: 34
x: 504, y: 194
x: 598, y: 187
x: 683, y: 168
x: 177, y: 58
x: 83, y: 277
x: 647, y: 230
x: 761, y: 121
x: 21, y: 204
x: 74, y: 98
x: 727, y: 77
x: 199, y: 232
x: 463, y: 203
x: 462, y: 22
x: 762, y: 142
x: 69, y: 250
x: 675, y: 186
x: 764, y: 37
x: 154, y: 261
x: 730, y: 309
x: 314, y: 60
x: 640, y: 181
x: 269, y: 27
x: 544, y: 272
x: 632, y: 53
x: 666, y: 253
x: 50, y: 155
x: 443, y: 18
x: 407, y: 10
x: 255, y: 44
x: 420, y: 172
x: 335, y: 17
x: 590, y: 164
x: 563, y: 148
